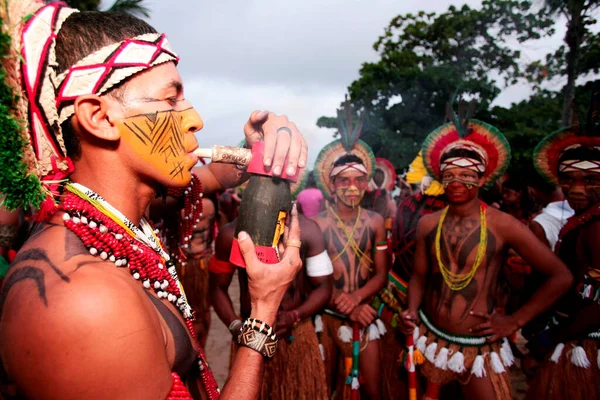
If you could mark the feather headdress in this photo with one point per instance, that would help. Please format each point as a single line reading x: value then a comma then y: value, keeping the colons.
x: 477, y: 136
x: 573, y: 148
x: 350, y: 127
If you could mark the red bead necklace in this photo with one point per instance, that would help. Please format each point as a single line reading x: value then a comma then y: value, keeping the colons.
x: 192, y: 212
x: 105, y: 238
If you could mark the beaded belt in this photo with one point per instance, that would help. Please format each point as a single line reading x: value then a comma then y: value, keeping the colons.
x: 456, y: 339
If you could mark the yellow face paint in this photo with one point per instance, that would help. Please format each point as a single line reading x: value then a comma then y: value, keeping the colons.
x: 164, y: 139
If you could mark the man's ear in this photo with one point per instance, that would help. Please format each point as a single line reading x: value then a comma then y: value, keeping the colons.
x: 93, y: 114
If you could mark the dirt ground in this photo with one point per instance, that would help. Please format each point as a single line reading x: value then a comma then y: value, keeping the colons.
x: 219, y: 341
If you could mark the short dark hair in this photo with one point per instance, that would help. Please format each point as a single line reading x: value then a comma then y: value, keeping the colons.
x: 348, y: 159
x: 461, y: 152
x: 84, y: 33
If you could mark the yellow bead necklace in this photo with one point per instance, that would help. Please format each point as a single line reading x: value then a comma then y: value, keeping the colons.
x: 461, y: 281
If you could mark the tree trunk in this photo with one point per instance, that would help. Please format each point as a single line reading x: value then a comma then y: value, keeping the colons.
x: 574, y: 37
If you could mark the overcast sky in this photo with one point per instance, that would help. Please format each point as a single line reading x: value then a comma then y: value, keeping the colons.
x: 291, y: 57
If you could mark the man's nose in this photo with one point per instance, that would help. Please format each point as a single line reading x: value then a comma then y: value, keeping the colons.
x: 191, y: 121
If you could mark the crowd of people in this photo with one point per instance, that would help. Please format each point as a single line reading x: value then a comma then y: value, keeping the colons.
x: 115, y: 245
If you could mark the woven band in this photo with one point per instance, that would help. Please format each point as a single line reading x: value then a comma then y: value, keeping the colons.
x: 109, y: 66
x: 258, y: 341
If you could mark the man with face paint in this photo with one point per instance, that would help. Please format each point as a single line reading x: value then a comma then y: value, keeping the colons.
x: 356, y: 243
x: 568, y: 347
x: 458, y: 331
x: 92, y: 307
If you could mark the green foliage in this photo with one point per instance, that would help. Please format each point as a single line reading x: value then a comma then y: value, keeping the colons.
x: 19, y: 188
x: 425, y: 58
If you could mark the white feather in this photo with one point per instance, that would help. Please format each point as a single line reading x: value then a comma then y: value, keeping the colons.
x: 497, y: 365
x: 457, y: 363
x: 345, y: 334
x: 355, y: 384
x: 478, y: 368
x: 557, y: 353
x: 579, y: 358
x: 421, y: 344
x: 441, y: 361
x: 373, y: 332
x: 506, y: 354
x: 318, y: 324
x: 430, y: 352
x: 322, y: 350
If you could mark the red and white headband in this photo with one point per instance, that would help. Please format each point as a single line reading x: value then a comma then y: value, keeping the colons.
x: 473, y: 164
x: 104, y: 69
x: 579, y: 165
x: 51, y: 96
x: 335, y: 171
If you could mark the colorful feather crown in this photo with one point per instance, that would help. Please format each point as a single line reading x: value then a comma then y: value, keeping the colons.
x: 579, y: 138
x: 479, y: 136
x: 350, y: 128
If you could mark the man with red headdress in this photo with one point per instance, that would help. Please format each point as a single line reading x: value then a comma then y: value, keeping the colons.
x: 568, y: 346
x: 452, y: 310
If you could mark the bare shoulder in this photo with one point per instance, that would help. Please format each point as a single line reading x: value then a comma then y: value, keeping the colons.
x: 311, y: 235
x: 320, y: 219
x: 375, y: 219
x: 429, y: 221
x: 308, y: 227
x: 71, y: 310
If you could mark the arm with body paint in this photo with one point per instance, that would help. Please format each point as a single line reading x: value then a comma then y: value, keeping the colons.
x: 418, y: 280
x: 322, y: 285
x: 586, y: 319
x: 541, y: 259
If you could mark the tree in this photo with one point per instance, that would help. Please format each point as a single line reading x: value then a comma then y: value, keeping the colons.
x: 582, y: 54
x: 425, y: 58
x: 133, y: 7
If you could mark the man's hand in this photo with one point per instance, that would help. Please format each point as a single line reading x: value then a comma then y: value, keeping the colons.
x: 284, y: 324
x: 497, y: 325
x: 364, y: 315
x: 407, y: 322
x: 347, y: 302
x: 267, y: 283
x: 282, y: 138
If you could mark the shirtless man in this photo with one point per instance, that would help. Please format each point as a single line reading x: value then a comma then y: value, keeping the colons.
x: 568, y: 347
x: 356, y: 243
x: 92, y: 307
x: 458, y: 256
x: 297, y: 371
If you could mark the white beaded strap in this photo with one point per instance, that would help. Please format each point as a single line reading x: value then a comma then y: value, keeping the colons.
x: 594, y: 335
x: 463, y: 340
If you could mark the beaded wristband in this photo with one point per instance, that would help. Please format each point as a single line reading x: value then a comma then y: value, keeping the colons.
x: 258, y: 341
x: 259, y: 326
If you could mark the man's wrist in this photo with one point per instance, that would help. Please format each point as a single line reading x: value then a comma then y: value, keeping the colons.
x: 264, y: 312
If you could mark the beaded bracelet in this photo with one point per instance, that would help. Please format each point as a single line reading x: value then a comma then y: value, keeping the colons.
x: 259, y: 326
x: 254, y: 336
